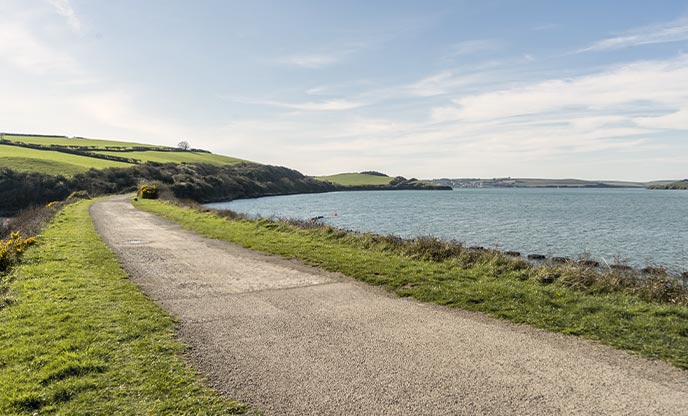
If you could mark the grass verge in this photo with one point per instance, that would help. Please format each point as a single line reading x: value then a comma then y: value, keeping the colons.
x: 80, y: 338
x: 491, y: 284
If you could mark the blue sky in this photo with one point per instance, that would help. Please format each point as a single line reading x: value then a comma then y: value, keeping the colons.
x: 595, y: 90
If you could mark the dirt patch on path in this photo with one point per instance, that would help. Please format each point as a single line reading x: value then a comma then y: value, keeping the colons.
x: 295, y: 340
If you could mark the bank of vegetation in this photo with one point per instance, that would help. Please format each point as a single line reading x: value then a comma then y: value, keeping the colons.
x: 198, y: 182
x: 645, y: 314
x: 373, y: 180
x: 674, y: 185
x: 79, y: 338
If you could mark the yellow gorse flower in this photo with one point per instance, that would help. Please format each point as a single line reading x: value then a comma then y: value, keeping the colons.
x: 12, y: 248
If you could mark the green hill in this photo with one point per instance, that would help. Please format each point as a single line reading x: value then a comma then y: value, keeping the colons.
x: 73, y: 141
x: 356, y: 179
x: 69, y: 156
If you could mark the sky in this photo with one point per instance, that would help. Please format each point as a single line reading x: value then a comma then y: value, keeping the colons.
x: 426, y: 89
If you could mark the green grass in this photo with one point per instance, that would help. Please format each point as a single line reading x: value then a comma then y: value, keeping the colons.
x: 52, y: 162
x: 349, y: 179
x: 45, y: 161
x: 618, y: 319
x: 178, y: 157
x: 80, y: 338
x: 47, y: 141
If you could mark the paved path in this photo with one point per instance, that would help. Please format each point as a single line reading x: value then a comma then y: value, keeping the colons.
x: 294, y: 340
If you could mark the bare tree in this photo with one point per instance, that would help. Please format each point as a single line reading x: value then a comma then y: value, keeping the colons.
x: 184, y: 145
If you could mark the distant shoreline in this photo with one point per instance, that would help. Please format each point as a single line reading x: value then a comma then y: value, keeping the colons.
x: 543, y: 183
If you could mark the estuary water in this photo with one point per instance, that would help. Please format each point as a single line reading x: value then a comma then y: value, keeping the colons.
x: 637, y: 226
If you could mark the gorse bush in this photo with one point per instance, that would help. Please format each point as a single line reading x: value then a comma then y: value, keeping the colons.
x: 148, y: 191
x: 12, y: 249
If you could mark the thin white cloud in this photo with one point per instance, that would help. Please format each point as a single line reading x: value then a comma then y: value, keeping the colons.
x: 441, y: 83
x: 319, y: 90
x: 64, y: 8
x: 676, y: 120
x: 676, y: 31
x: 320, y: 60
x: 644, y: 86
x: 327, y: 105
x: 312, y: 61
x: 474, y: 46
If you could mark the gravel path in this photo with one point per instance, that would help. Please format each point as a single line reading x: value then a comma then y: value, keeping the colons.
x: 294, y: 340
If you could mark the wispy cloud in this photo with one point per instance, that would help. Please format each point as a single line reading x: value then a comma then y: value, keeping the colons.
x: 474, y: 46
x: 676, y: 31
x: 64, y: 8
x: 442, y: 83
x: 643, y: 86
x: 311, y: 61
x: 321, y: 59
x: 468, y: 78
x: 327, y: 105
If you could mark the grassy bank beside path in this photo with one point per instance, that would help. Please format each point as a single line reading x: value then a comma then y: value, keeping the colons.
x: 80, y: 338
x: 491, y: 286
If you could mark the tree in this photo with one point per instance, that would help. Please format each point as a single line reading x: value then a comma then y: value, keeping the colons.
x: 184, y: 145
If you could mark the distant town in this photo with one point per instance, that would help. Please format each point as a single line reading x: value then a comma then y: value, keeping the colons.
x: 510, y: 182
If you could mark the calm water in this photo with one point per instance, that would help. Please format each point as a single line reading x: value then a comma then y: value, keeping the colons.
x: 638, y: 226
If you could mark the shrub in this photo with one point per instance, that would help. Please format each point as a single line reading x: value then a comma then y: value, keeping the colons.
x: 148, y: 191
x: 12, y: 249
x: 373, y: 173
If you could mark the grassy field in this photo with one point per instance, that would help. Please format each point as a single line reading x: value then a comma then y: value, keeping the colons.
x: 52, y: 162
x: 79, y: 338
x: 178, y: 157
x: 62, y: 141
x: 44, y: 161
x: 349, y: 179
x: 491, y: 285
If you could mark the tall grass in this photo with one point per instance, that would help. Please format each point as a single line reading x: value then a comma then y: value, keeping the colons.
x: 652, y: 284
